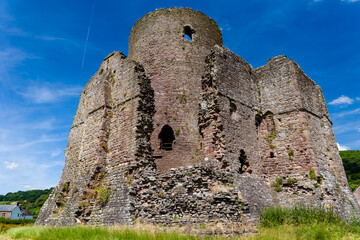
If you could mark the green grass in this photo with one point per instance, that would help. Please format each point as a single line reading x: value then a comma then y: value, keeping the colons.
x: 283, y: 232
x: 6, y: 224
x: 92, y: 233
x: 301, y: 214
x: 318, y: 231
x: 297, y: 223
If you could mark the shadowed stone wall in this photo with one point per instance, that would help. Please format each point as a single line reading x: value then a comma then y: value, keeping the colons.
x: 109, y: 138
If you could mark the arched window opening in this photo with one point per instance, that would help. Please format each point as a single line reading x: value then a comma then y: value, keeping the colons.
x: 244, y: 163
x: 188, y: 32
x: 166, y: 137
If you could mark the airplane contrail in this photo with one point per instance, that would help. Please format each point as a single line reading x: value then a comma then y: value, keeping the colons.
x: 88, y: 33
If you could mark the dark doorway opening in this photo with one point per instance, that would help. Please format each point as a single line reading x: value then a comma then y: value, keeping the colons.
x: 166, y: 137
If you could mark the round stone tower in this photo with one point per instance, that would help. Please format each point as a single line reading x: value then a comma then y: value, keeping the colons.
x: 172, y: 45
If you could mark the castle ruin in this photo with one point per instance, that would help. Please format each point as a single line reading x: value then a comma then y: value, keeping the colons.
x: 185, y: 132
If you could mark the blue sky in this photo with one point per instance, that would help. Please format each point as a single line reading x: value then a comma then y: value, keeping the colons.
x: 45, y: 61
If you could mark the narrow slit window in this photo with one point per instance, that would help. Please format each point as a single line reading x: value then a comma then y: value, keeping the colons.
x: 166, y: 138
x: 232, y: 108
x: 188, y: 33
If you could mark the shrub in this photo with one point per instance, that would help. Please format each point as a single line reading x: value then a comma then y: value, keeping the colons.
x: 291, y: 154
x: 277, y: 185
x: 291, y: 181
x: 177, y: 131
x: 16, y: 221
x: 312, y: 174
x: 103, y: 194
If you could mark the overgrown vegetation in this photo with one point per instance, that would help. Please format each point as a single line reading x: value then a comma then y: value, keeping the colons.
x: 277, y: 185
x: 351, y: 160
x: 312, y: 174
x: 303, y: 222
x: 300, y: 214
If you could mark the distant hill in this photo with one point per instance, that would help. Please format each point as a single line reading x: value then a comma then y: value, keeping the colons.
x: 351, y: 160
x: 31, y: 200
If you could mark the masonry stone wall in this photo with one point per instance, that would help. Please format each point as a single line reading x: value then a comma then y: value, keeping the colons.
x: 228, y: 111
x: 110, y: 137
x: 300, y: 139
x: 175, y: 66
x: 241, y: 139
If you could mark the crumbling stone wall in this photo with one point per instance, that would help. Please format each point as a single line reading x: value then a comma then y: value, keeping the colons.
x: 175, y: 66
x: 242, y: 139
x: 109, y: 138
x: 301, y: 147
x: 272, y: 122
x: 228, y: 110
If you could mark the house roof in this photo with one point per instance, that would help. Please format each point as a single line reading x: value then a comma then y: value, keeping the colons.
x: 7, y: 208
x: 26, y: 212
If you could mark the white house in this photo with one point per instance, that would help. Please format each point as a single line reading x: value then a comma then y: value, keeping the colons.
x: 14, y: 212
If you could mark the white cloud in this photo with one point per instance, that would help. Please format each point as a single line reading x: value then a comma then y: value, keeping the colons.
x: 50, y: 94
x: 11, y: 57
x: 226, y: 27
x: 29, y: 187
x: 358, y: 99
x: 55, y: 153
x: 342, y: 100
x: 346, y: 113
x: 350, y: 1
x: 342, y: 148
x: 26, y: 144
x: 11, y: 165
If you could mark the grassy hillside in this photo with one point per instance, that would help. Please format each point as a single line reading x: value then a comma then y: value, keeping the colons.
x: 351, y: 160
x: 31, y: 200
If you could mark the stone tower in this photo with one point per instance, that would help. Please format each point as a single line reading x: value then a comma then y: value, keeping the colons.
x: 185, y: 132
x: 172, y: 44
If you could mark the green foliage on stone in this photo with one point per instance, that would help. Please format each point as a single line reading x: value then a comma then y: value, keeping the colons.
x: 103, y: 194
x: 270, y: 138
x: 291, y: 181
x: 291, y: 154
x: 277, y: 185
x: 177, y: 131
x: 312, y: 174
